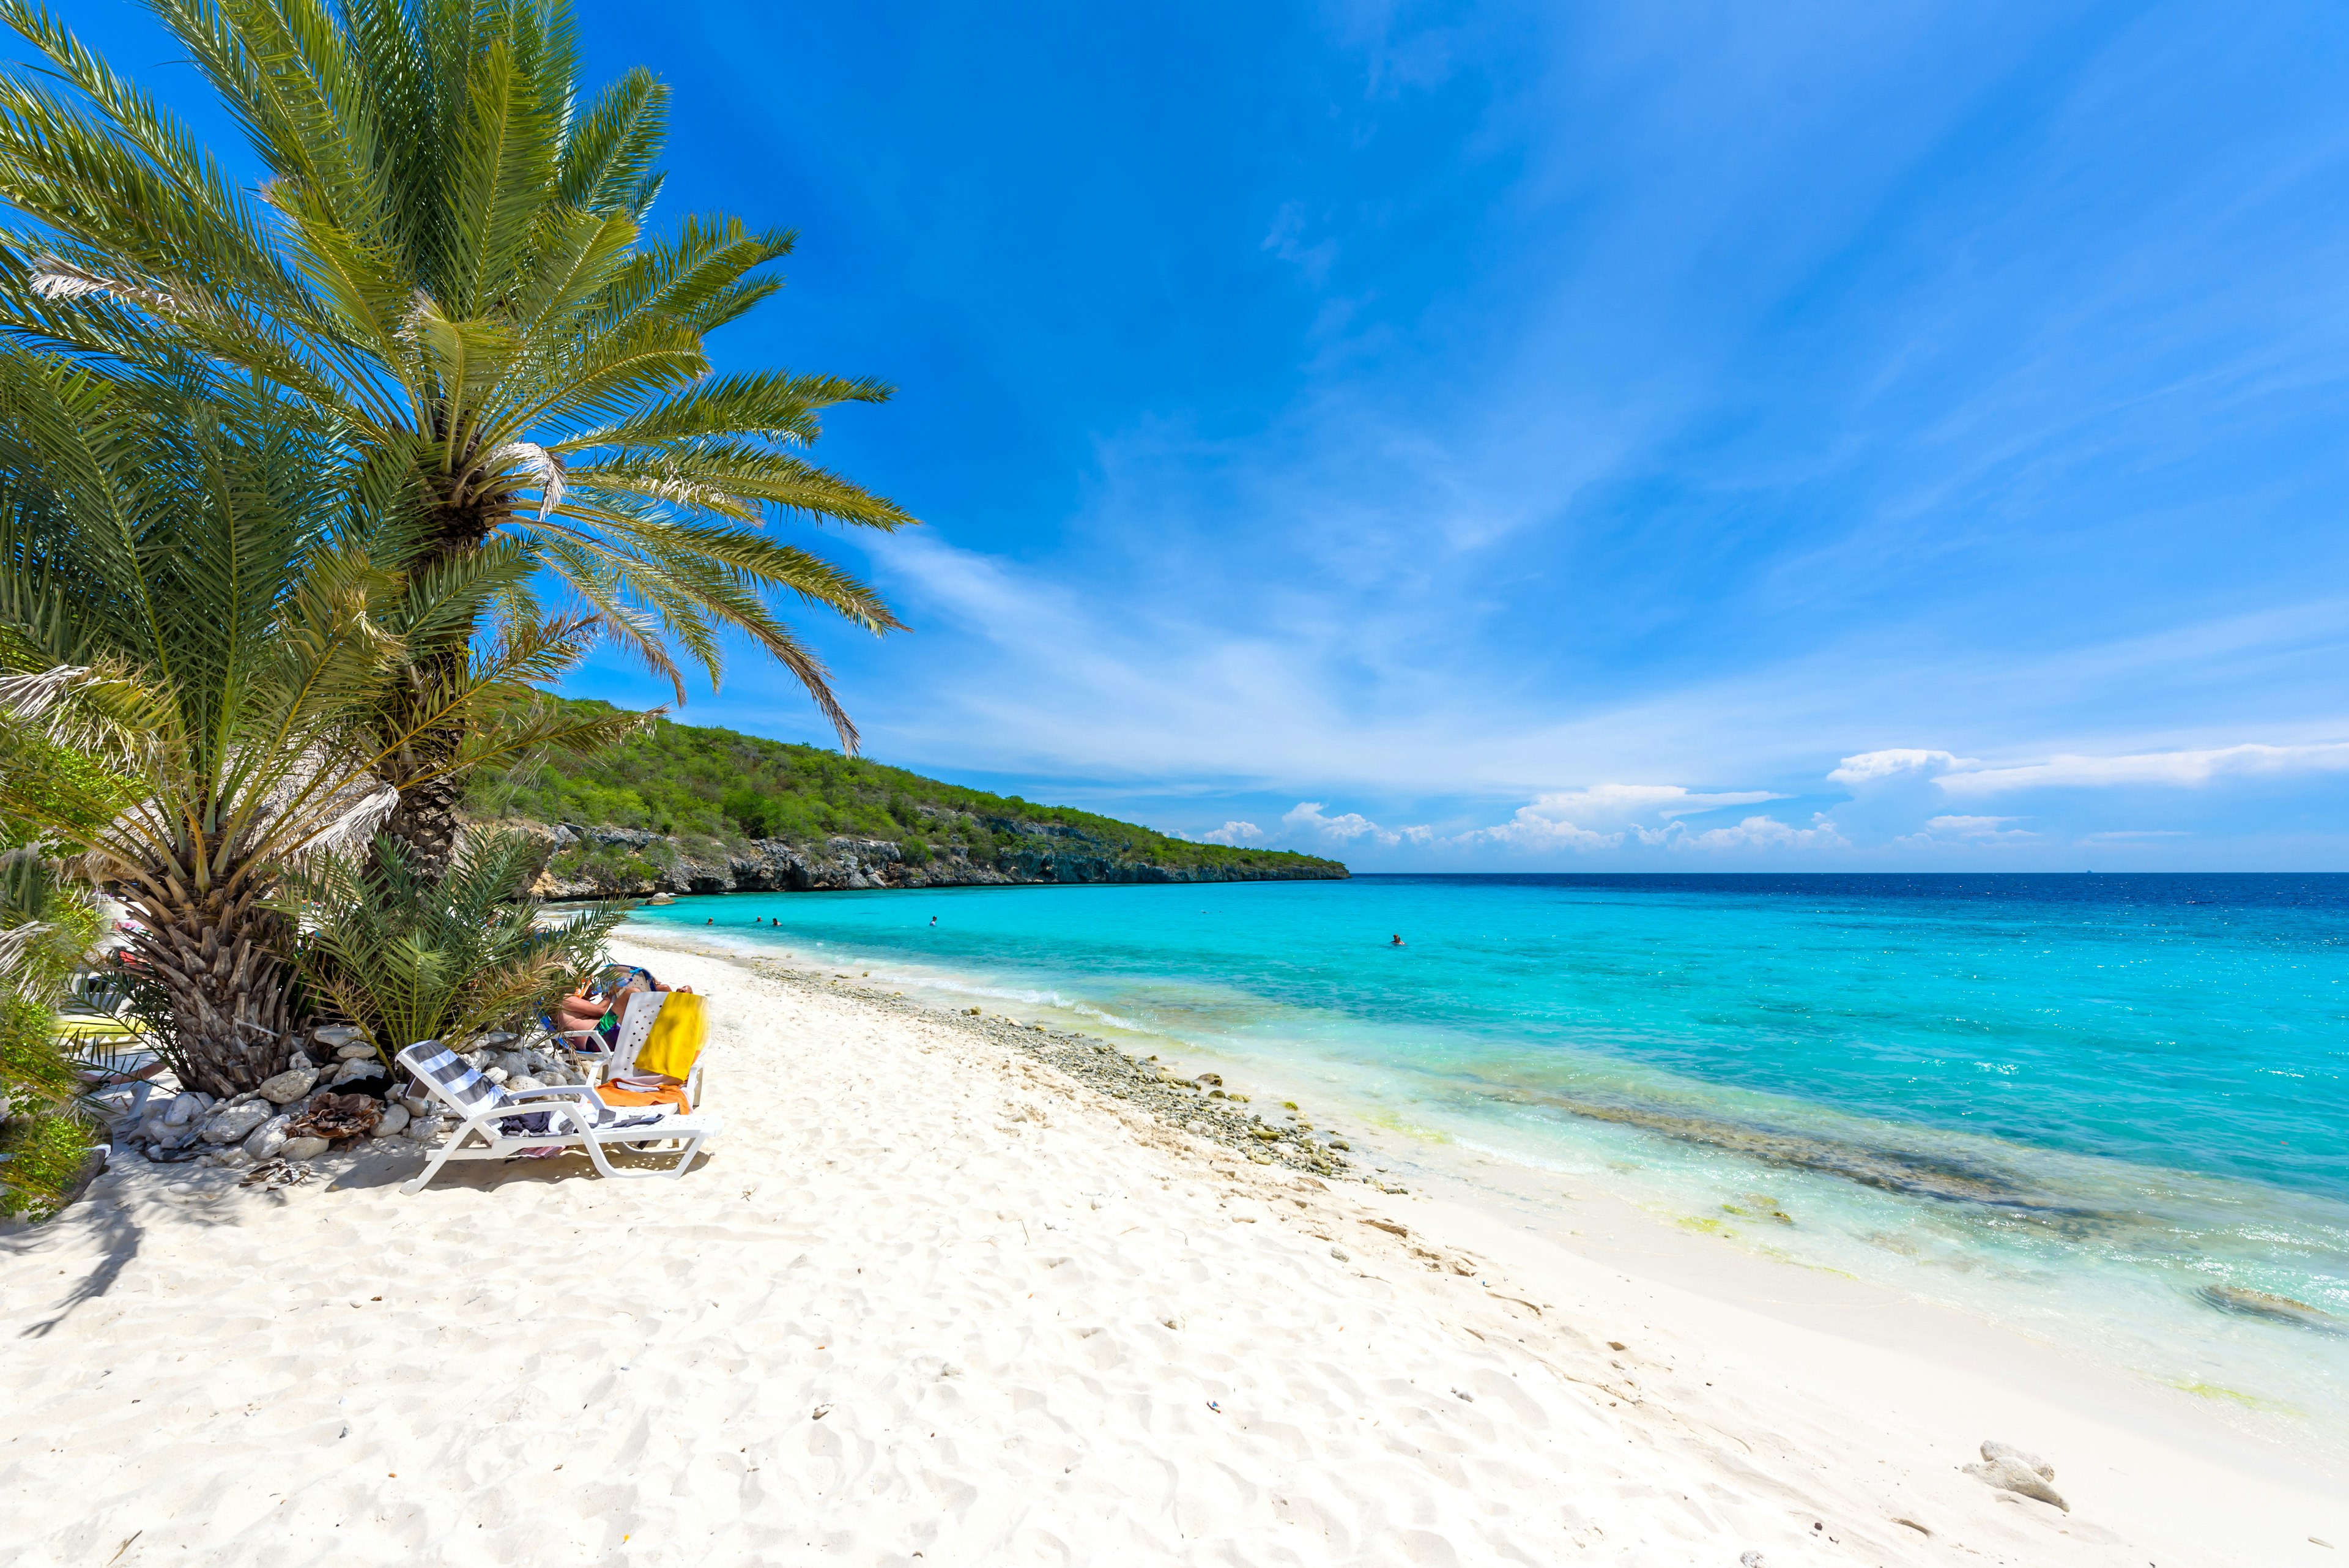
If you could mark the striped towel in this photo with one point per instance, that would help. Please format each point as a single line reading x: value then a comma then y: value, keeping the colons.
x: 454, y: 1078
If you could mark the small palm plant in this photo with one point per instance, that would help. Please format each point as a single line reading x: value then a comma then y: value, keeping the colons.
x: 404, y: 958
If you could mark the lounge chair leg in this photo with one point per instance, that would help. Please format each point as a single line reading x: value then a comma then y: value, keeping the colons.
x: 432, y: 1165
x: 595, y: 1152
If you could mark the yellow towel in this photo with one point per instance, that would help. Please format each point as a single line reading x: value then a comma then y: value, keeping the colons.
x: 677, y: 1037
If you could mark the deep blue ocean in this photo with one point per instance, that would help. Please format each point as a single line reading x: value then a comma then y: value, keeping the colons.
x: 2107, y: 1104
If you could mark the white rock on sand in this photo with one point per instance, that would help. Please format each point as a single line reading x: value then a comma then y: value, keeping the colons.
x: 925, y: 1302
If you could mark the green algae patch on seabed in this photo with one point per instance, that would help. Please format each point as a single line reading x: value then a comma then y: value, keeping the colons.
x: 1394, y: 1122
x: 2219, y: 1391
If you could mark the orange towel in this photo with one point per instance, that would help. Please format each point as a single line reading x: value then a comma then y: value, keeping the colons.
x: 659, y: 1094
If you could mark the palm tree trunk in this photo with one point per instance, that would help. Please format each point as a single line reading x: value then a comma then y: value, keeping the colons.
x: 216, y: 955
x: 425, y: 822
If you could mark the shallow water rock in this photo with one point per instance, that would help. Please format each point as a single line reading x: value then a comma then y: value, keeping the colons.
x: 2273, y: 1308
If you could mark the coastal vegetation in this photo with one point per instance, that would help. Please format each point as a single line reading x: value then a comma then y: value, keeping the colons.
x: 47, y: 922
x: 728, y: 789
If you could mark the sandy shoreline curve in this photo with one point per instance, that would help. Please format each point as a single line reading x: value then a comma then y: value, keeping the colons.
x: 931, y: 1300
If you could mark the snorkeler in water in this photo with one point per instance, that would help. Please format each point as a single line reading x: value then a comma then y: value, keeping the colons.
x: 1396, y: 941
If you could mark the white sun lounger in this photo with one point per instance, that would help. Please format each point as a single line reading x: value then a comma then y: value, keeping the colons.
x: 576, y: 1117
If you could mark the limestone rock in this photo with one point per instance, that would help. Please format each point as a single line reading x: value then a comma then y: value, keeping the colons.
x: 395, y: 1118
x: 2007, y: 1453
x: 234, y: 1123
x: 267, y: 1141
x: 2009, y: 1468
x: 354, y: 1052
x: 288, y: 1086
x: 302, y: 1148
x: 423, y: 1129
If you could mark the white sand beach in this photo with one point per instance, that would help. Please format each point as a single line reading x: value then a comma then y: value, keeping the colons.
x: 927, y: 1301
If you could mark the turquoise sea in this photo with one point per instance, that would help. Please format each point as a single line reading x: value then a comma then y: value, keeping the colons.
x: 2112, y: 1111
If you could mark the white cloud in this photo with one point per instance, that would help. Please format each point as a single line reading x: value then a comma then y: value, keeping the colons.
x: 1606, y: 817
x: 1869, y: 766
x: 1765, y: 832
x: 1234, y: 832
x: 1306, y: 820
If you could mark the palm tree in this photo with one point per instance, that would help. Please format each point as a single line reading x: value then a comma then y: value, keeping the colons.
x: 448, y: 262
x: 211, y: 608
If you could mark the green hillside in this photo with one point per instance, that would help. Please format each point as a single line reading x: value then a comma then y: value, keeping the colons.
x: 692, y: 782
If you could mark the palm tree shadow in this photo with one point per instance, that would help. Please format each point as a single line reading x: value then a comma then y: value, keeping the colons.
x: 120, y: 1235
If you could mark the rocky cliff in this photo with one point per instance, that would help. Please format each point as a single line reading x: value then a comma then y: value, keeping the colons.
x: 591, y: 862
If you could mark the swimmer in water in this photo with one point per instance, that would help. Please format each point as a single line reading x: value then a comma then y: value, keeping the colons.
x: 934, y: 919
x: 1396, y: 942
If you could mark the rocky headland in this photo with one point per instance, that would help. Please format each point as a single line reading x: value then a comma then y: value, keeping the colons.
x: 588, y: 861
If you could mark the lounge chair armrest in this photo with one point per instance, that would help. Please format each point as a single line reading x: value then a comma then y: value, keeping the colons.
x: 554, y: 1092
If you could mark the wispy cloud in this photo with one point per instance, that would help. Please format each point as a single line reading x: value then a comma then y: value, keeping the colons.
x: 2183, y: 769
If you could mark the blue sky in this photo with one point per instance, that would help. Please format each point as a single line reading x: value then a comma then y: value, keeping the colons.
x: 1556, y: 436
